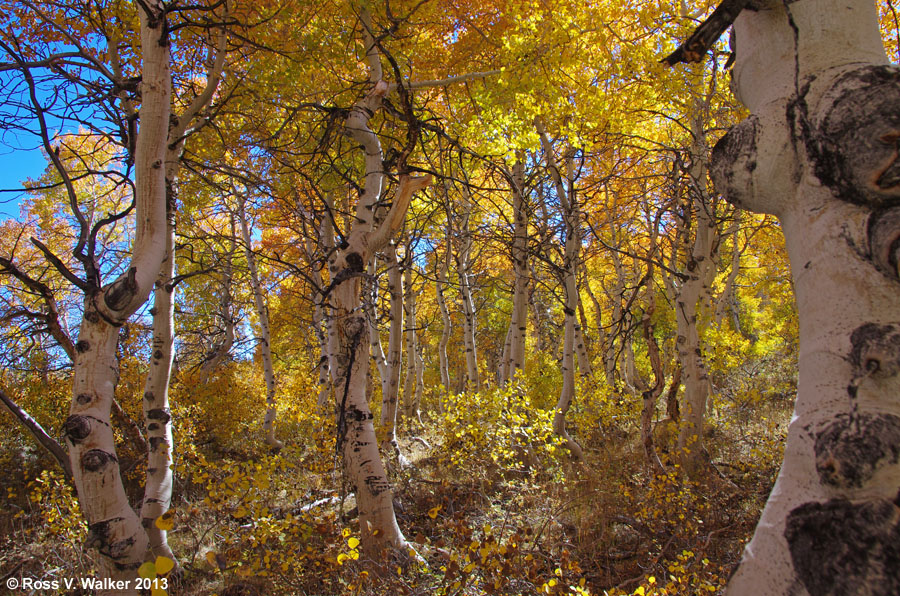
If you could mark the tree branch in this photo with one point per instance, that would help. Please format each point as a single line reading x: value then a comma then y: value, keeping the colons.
x: 703, y: 38
x: 39, y: 434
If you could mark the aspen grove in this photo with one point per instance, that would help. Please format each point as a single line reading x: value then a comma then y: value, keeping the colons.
x: 419, y: 297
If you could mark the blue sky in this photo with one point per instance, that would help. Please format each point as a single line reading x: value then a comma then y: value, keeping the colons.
x: 17, y: 165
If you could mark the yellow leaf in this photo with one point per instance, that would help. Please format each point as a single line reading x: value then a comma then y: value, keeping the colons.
x: 639, y: 591
x: 158, y: 592
x: 166, y: 521
x: 341, y: 558
x: 147, y: 570
x: 432, y: 513
x: 164, y: 565
x: 353, y: 542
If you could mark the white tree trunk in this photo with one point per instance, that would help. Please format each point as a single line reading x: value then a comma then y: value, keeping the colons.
x: 157, y: 416
x: 113, y: 527
x: 446, y: 324
x: 390, y: 384
x: 464, y: 270
x: 265, y: 336
x: 412, y: 389
x: 699, y: 272
x: 348, y: 340
x: 514, y: 362
x: 820, y: 152
x: 571, y: 250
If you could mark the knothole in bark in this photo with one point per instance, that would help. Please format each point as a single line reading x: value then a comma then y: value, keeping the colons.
x: 840, y: 547
x: 852, y: 448
x: 97, y: 459
x: 854, y: 148
x: 76, y: 428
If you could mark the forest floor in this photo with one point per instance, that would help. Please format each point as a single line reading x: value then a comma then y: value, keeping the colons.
x: 492, y: 504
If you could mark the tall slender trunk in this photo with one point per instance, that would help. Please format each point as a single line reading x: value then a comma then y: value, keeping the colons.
x: 390, y: 387
x: 446, y: 324
x: 518, y: 323
x: 412, y: 391
x: 567, y: 200
x: 464, y: 270
x: 157, y: 415
x: 265, y: 336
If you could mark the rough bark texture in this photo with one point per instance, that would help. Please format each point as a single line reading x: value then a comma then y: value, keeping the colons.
x: 820, y: 152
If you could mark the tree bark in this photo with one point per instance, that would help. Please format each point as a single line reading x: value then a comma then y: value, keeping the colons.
x: 157, y: 415
x: 571, y: 250
x: 699, y: 272
x: 412, y: 388
x: 514, y: 362
x: 113, y: 527
x: 348, y: 340
x: 464, y: 270
x: 265, y: 336
x: 820, y: 151
x: 390, y: 384
x: 39, y: 434
x: 446, y: 324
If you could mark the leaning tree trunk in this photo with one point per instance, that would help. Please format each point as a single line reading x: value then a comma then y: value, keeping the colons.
x: 820, y: 151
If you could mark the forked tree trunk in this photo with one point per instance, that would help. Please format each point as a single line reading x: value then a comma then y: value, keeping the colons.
x: 114, y: 529
x: 348, y: 340
x: 265, y: 336
x: 820, y: 151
